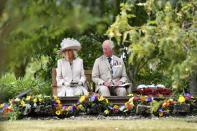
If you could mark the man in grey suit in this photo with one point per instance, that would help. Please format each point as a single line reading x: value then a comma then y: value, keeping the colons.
x: 109, y: 72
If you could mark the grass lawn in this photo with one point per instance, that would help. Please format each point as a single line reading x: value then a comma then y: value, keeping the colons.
x: 99, y: 125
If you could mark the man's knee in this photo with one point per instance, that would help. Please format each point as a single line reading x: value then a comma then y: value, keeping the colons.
x: 121, y: 92
x: 104, y: 91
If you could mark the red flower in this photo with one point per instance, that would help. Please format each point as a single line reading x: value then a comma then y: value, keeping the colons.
x: 12, y: 102
x: 9, y: 110
x: 90, y: 92
x: 85, y: 101
x: 128, y: 106
x: 135, y: 98
x: 86, y: 97
x: 116, y: 110
x: 187, y: 98
x: 172, y: 102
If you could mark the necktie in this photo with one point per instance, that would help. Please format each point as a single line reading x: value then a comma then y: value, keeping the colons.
x: 109, y: 59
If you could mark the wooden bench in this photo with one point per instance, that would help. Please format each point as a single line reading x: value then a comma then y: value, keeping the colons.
x: 73, y: 100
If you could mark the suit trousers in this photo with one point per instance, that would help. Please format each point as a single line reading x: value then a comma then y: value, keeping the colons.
x: 117, y: 91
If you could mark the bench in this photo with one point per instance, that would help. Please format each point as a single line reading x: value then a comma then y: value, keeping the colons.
x: 73, y: 99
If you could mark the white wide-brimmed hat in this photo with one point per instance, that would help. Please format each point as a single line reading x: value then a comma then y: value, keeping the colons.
x: 69, y: 43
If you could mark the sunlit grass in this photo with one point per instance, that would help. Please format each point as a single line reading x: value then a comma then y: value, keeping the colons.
x: 98, y: 125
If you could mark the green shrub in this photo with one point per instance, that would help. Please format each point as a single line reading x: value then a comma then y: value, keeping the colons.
x: 11, y: 87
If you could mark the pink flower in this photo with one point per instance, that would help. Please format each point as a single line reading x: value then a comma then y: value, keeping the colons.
x: 135, y: 98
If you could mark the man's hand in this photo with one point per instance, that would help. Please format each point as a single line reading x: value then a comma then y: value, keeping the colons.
x: 108, y: 84
x: 118, y: 83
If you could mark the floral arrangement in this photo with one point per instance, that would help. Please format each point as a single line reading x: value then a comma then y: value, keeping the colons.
x: 91, y: 103
x: 167, y: 106
x: 152, y: 90
x: 24, y: 106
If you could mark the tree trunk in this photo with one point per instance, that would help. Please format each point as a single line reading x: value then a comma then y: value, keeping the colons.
x: 193, y: 84
x: 19, y: 71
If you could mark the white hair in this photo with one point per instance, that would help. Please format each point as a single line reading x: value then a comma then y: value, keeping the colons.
x: 75, y: 53
x: 110, y: 42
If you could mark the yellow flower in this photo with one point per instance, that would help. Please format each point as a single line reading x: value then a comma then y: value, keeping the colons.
x: 130, y: 95
x: 82, y: 98
x: 171, y: 100
x: 167, y: 111
x: 28, y: 98
x: 58, y: 112
x: 101, y: 98
x: 58, y: 101
x: 106, y: 112
x: 22, y: 103
x: 192, y: 97
x: 115, y: 107
x: 17, y: 100
x: 160, y: 114
x: 40, y: 95
x: 107, y: 101
x: 35, y: 100
x: 40, y: 100
x: 9, y: 107
x: 2, y: 105
x: 131, y: 99
x: 131, y: 104
x: 181, y: 99
x: 126, y: 103
x: 79, y: 107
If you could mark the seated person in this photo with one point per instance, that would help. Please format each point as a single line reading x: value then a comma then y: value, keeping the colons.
x: 109, y: 70
x: 70, y: 73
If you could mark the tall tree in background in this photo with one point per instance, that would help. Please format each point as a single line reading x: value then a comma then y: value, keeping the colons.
x: 166, y: 43
x: 31, y: 29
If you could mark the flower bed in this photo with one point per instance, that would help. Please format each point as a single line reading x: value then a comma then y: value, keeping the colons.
x: 93, y: 103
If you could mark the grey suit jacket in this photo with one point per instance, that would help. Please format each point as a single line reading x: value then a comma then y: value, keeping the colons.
x: 102, y: 71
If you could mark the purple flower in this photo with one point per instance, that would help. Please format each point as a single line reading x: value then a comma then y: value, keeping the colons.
x: 64, y: 107
x: 111, y: 108
x: 162, y: 111
x: 149, y: 99
x: 5, y: 106
x: 1, y: 110
x: 55, y: 104
x: 187, y: 95
x: 92, y: 98
x: 78, y: 102
x: 71, y: 109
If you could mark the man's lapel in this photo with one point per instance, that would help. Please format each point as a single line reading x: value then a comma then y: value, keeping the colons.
x: 106, y: 62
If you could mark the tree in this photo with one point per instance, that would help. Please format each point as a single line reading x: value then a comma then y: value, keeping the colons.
x: 166, y: 43
x: 35, y: 28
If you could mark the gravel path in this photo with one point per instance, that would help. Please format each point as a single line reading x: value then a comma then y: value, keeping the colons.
x: 101, y: 117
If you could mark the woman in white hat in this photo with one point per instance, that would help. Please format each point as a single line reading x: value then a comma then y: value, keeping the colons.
x: 70, y: 71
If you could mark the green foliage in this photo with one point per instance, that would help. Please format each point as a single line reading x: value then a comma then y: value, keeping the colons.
x: 165, y: 44
x: 11, y: 87
x: 36, y: 28
x: 13, y: 115
x: 88, y: 55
